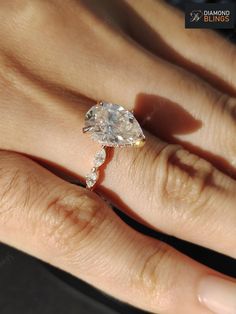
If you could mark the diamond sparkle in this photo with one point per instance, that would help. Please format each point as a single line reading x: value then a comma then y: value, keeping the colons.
x: 91, y: 178
x: 112, y: 125
x: 100, y: 158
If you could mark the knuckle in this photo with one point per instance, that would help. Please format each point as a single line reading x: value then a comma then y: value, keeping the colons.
x: 229, y: 114
x: 72, y: 220
x: 9, y: 180
x: 184, y: 183
x: 232, y: 58
x: 155, y: 276
x: 16, y: 182
x: 143, y: 165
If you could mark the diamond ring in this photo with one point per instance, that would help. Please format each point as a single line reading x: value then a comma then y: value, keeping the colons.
x: 112, y: 126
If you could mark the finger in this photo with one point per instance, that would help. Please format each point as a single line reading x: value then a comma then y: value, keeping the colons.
x: 157, y: 89
x: 203, y: 52
x: 175, y: 192
x: 172, y: 190
x: 73, y: 229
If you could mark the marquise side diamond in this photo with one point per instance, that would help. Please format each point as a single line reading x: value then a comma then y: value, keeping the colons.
x: 100, y: 158
x: 91, y: 178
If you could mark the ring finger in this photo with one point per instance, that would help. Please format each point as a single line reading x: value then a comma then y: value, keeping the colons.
x: 169, y: 188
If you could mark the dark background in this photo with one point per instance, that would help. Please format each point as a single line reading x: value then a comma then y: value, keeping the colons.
x: 28, y: 286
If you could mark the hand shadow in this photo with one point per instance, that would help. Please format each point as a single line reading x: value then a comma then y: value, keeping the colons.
x: 163, y: 117
x: 167, y: 120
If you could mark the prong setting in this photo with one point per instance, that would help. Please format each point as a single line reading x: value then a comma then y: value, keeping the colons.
x: 87, y: 129
x: 140, y: 143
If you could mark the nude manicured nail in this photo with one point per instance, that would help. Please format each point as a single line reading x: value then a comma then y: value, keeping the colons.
x: 218, y: 295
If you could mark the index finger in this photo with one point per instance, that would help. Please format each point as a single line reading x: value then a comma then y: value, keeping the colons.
x: 73, y: 229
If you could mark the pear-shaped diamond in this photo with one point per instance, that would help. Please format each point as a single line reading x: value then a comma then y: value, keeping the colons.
x: 112, y: 125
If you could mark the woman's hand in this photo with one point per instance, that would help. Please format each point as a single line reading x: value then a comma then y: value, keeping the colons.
x: 56, y: 57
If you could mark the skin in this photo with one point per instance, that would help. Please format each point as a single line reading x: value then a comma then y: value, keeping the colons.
x: 56, y: 59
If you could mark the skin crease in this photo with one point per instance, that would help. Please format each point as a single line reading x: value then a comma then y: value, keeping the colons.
x: 54, y: 64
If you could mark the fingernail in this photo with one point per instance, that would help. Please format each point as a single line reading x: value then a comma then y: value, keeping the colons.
x: 218, y: 295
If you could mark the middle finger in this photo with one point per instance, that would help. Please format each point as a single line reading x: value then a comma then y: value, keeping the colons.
x: 171, y: 102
